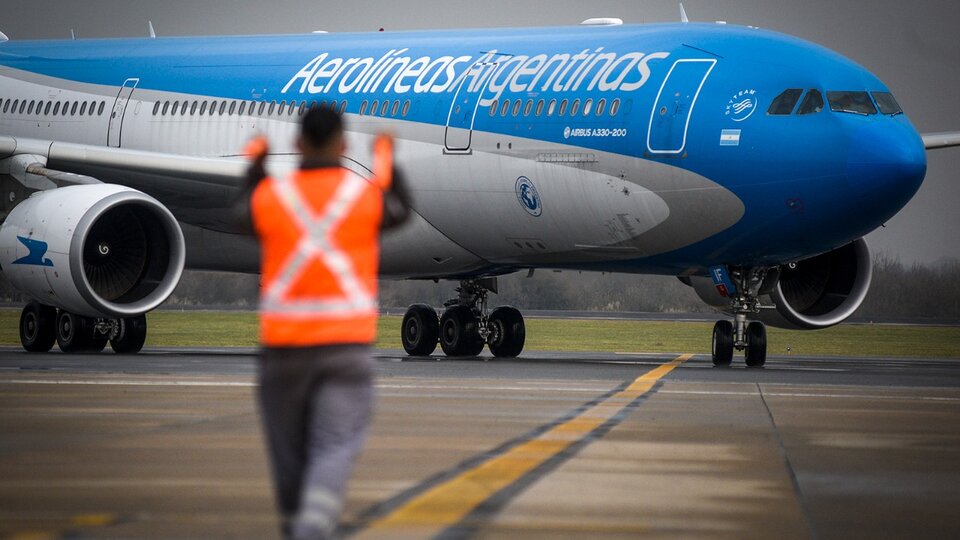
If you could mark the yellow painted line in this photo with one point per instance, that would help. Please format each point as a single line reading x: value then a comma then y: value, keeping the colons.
x: 78, y: 520
x: 93, y: 520
x: 446, y: 504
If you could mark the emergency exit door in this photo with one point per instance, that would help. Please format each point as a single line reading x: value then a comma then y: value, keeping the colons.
x: 119, y: 107
x: 672, y: 110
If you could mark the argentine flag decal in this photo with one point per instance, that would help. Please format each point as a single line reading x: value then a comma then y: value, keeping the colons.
x: 729, y: 137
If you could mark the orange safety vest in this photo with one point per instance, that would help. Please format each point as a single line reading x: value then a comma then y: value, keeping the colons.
x: 319, y: 237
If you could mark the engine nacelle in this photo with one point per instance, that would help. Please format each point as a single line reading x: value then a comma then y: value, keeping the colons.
x: 814, y: 293
x: 100, y: 250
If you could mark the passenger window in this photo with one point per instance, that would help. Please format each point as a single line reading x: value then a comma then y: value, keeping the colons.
x: 176, y: 106
x: 213, y: 108
x: 505, y: 107
x: 23, y: 106
x: 552, y: 107
x: 183, y: 108
x: 396, y: 107
x: 405, y: 109
x: 46, y: 109
x: 203, y: 108
x: 281, y: 108
x: 343, y: 106
x: 851, y: 102
x: 601, y: 105
x: 374, y: 107
x: 271, y: 108
x: 587, y: 105
x: 193, y: 108
x: 292, y: 109
x: 65, y: 109
x: 363, y: 107
x: 166, y: 108
x: 223, y: 107
x: 156, y: 108
x: 13, y: 110
x: 93, y: 105
x: 493, y: 108
x: 383, y: 108
x: 83, y: 108
x: 56, y: 109
x: 812, y: 103
x: 242, y: 109
x: 539, y: 108
x: 575, y: 107
x: 516, y: 107
x: 333, y: 104
x: 615, y: 107
x: 528, y: 107
x: 73, y: 108
x: 784, y: 103
x: 261, y: 108
x: 563, y: 108
x: 887, y: 103
x: 232, y: 109
x: 30, y: 108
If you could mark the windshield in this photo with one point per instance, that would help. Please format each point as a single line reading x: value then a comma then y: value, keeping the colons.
x: 812, y: 103
x: 851, y: 102
x: 886, y: 103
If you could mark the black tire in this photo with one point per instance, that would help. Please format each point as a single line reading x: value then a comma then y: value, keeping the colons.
x: 75, y: 333
x: 38, y: 327
x: 460, y: 332
x: 722, y: 343
x: 507, y: 332
x: 131, y: 335
x: 756, y: 344
x: 420, y: 330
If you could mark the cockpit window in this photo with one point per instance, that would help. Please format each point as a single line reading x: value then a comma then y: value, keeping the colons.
x: 851, y: 102
x: 785, y: 102
x: 812, y: 103
x: 886, y: 103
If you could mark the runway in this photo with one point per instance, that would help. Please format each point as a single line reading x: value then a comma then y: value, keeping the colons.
x: 167, y: 444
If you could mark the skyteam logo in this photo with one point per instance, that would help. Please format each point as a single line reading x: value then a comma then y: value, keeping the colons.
x: 37, y: 251
x: 528, y: 196
x: 741, y: 105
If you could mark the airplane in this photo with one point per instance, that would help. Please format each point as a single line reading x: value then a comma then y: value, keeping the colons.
x: 747, y: 163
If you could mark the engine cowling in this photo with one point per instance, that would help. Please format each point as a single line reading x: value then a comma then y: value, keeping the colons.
x: 811, y: 294
x: 96, y: 250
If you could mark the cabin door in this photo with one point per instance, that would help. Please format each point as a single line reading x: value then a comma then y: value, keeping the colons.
x: 672, y: 110
x: 119, y: 107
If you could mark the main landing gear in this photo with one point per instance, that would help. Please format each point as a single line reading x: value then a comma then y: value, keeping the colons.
x: 739, y: 334
x: 465, y: 327
x: 41, y: 326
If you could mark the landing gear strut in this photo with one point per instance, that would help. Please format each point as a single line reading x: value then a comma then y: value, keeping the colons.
x: 465, y: 327
x: 739, y: 334
x: 41, y: 326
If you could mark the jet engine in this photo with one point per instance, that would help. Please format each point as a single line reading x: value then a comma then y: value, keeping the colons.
x: 100, y: 250
x: 810, y: 294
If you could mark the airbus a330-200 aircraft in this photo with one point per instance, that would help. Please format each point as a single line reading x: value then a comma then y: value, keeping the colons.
x: 747, y: 163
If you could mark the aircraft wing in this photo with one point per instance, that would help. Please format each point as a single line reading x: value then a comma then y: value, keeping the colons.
x: 198, y: 190
x: 941, y: 140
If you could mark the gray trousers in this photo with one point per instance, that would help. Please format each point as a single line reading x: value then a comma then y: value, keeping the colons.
x: 316, y: 404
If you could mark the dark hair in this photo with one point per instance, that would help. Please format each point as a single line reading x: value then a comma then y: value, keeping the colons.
x: 320, y: 125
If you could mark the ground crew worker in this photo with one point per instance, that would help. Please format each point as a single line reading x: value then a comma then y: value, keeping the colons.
x: 318, y: 232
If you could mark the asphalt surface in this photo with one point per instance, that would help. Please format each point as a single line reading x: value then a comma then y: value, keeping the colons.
x: 167, y: 444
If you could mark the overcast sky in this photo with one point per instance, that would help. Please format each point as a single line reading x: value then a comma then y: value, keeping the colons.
x: 912, y: 46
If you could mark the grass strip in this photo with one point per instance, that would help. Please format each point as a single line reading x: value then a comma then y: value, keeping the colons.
x: 239, y: 329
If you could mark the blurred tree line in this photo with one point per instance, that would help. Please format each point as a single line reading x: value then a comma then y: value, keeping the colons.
x: 898, y: 290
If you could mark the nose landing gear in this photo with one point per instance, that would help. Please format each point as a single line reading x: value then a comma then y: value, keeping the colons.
x: 465, y: 327
x: 740, y: 335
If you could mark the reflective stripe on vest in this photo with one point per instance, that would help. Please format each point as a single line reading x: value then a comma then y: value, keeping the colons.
x: 317, y: 241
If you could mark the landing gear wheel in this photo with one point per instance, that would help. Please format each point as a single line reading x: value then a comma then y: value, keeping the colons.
x: 38, y: 327
x: 131, y: 334
x: 722, y: 343
x: 460, y: 332
x: 76, y: 333
x: 420, y: 330
x: 507, y: 332
x: 756, y: 344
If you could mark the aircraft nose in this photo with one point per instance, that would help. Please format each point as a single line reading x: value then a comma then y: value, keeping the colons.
x: 887, y: 162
